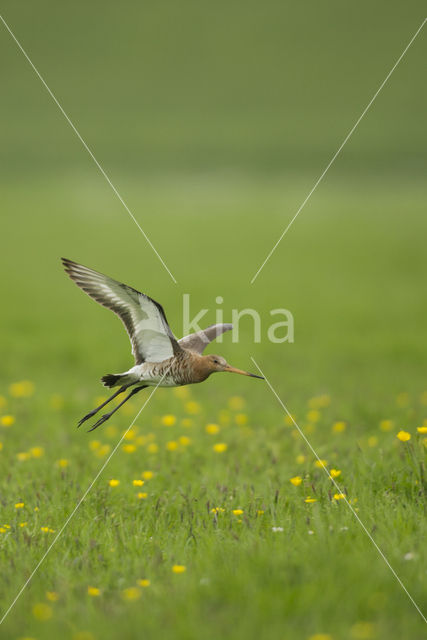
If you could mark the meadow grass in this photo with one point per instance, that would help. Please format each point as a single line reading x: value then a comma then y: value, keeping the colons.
x: 214, y: 123
x: 260, y: 560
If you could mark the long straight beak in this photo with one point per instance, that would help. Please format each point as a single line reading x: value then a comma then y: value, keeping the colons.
x: 242, y: 373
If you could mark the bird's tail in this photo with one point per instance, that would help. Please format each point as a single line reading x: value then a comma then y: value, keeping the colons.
x: 128, y: 378
x: 111, y: 379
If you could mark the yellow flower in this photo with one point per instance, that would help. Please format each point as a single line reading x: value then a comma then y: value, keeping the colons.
x: 144, y: 582
x: 179, y: 568
x: 236, y: 403
x: 220, y: 447
x: 131, y: 593
x: 147, y: 475
x: 1, y: 446
x: 7, y: 421
x: 339, y: 427
x: 168, y: 420
x: 184, y: 441
x: 308, y: 499
x: 3, y: 530
x: 212, y: 429
x: 138, y: 483
x: 372, y: 441
x: 339, y: 496
x: 94, y: 445
x: 37, y: 452
x: 103, y: 450
x: 142, y: 495
x: 153, y: 447
x: 386, y: 425
x: 192, y: 407
x: 217, y: 510
x: 422, y: 429
x: 334, y: 473
x: 19, y: 505
x: 47, y: 530
x: 289, y: 420
x: 42, y: 611
x: 320, y: 464
x: 93, y: 591
x: 237, y: 512
x: 52, y: 596
x: 62, y: 463
x: 313, y: 415
x: 296, y: 481
x: 319, y: 402
x: 300, y: 459
x: 241, y: 419
x: 260, y: 512
x: 403, y: 436
x: 114, y: 483
x: 23, y: 524
x: 129, y: 448
x: 172, y: 445
x: 22, y: 456
x: 22, y: 389
x: 129, y: 434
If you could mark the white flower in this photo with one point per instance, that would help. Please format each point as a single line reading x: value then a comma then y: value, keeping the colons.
x: 276, y: 529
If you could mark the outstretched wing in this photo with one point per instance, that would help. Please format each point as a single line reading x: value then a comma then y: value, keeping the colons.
x: 145, y: 321
x: 198, y: 341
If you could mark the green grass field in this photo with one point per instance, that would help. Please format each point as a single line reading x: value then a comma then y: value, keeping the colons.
x: 214, y: 146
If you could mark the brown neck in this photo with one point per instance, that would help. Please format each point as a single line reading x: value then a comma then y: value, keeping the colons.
x: 201, y: 368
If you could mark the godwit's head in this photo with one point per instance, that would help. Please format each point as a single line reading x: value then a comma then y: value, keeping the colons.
x: 218, y: 363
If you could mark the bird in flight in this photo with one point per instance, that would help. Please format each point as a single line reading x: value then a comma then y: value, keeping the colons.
x: 160, y: 359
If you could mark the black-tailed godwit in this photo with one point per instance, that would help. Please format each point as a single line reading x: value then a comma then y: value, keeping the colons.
x: 160, y: 359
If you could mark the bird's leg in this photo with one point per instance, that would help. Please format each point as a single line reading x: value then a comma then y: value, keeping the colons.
x: 105, y: 417
x: 92, y: 413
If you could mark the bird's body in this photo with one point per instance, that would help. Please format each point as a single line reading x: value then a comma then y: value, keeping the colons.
x: 160, y: 359
x: 185, y: 368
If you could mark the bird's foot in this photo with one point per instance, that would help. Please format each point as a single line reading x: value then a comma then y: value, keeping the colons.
x: 101, y: 420
x: 87, y: 416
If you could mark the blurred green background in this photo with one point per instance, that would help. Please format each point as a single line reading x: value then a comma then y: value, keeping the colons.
x: 214, y: 121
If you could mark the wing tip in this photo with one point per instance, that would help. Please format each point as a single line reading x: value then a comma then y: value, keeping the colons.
x: 68, y: 264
